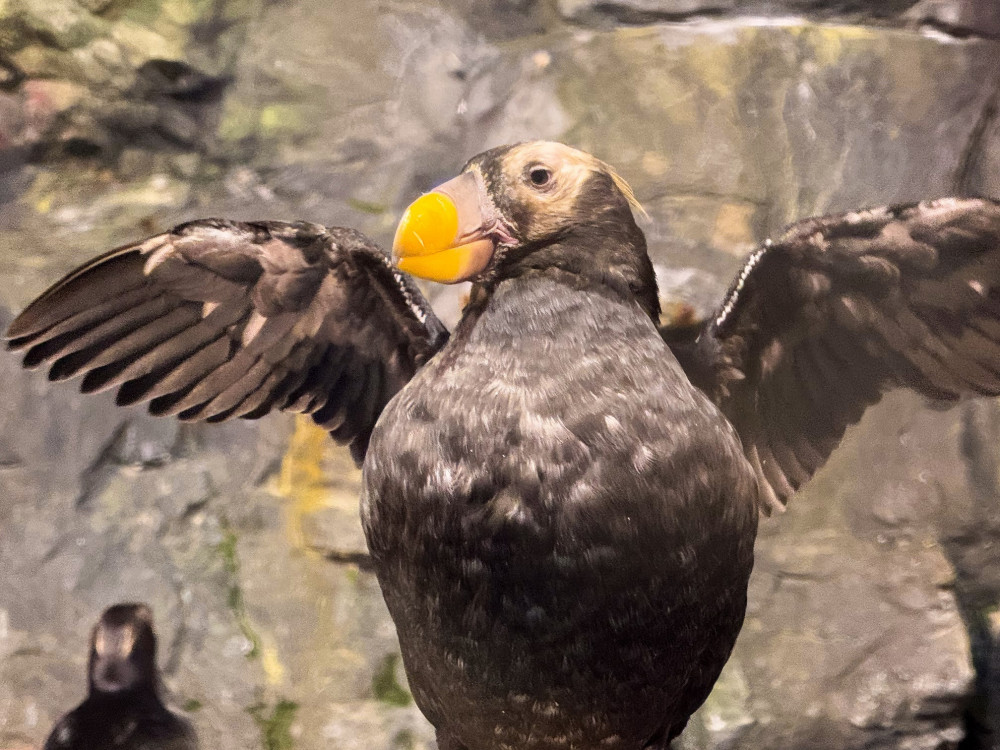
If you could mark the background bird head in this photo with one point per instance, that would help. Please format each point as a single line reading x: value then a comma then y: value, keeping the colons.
x: 122, y: 651
x: 532, y: 206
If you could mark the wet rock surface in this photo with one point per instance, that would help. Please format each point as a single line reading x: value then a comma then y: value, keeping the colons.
x: 872, y: 620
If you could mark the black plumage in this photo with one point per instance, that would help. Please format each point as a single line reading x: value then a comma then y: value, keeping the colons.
x: 122, y: 709
x: 560, y: 500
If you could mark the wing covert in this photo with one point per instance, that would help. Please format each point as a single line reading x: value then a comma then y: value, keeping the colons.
x: 218, y: 319
x: 821, y: 322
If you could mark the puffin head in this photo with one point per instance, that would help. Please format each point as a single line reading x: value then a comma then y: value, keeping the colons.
x: 123, y: 650
x: 536, y: 205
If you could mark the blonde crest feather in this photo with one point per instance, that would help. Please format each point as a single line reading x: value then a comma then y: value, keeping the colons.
x: 626, y: 190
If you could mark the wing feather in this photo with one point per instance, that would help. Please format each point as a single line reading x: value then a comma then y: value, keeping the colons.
x: 175, y: 351
x: 839, y: 310
x: 155, y: 380
x: 219, y: 319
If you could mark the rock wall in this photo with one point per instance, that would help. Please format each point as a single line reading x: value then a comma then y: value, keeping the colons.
x: 872, y: 621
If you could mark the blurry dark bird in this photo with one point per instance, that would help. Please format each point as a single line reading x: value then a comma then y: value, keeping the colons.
x: 122, y: 709
x: 561, y: 499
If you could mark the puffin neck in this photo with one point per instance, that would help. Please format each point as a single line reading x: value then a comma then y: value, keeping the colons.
x: 546, y: 303
x: 591, y: 258
x: 141, y: 697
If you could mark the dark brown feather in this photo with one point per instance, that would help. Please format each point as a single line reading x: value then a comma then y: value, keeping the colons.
x: 820, y: 323
x: 218, y: 319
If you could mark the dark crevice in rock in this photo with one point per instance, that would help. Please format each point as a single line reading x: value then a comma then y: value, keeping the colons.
x: 81, y: 148
x: 607, y: 13
x: 967, y: 170
x: 362, y: 559
x: 904, y: 13
x: 175, y: 649
x: 980, y: 724
x: 977, y: 596
x: 861, y: 655
x: 979, y: 734
x: 192, y: 508
x: 57, y: 547
x: 822, y: 8
x: 176, y: 525
x: 105, y: 8
x: 207, y: 32
x: 962, y: 33
x: 783, y: 576
x: 187, y: 442
x: 267, y: 471
x: 11, y: 76
x: 141, y: 445
x: 10, y: 458
x: 970, y: 173
x: 94, y: 476
x: 620, y: 13
x: 179, y: 81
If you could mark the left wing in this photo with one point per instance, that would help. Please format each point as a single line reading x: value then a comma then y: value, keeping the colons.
x: 839, y: 310
x: 217, y: 319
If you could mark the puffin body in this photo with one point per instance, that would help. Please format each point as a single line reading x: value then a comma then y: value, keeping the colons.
x: 136, y: 724
x: 560, y: 497
x: 123, y: 710
x: 565, y: 553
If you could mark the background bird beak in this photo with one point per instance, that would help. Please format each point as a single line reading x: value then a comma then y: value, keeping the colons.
x: 444, y: 235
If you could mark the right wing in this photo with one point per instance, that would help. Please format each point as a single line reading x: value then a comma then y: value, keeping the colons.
x: 840, y: 309
x: 218, y: 319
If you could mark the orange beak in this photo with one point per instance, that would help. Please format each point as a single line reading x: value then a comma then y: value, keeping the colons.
x: 444, y: 234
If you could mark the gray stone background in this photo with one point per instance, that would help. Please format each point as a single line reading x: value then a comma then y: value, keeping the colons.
x: 874, y: 615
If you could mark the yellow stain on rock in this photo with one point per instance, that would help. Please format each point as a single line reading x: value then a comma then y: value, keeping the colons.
x: 316, y: 480
x: 181, y: 12
x: 714, y: 64
x: 281, y: 118
x: 830, y: 43
x: 274, y: 671
x: 733, y: 226
x: 140, y: 43
x: 302, y: 480
x: 655, y: 163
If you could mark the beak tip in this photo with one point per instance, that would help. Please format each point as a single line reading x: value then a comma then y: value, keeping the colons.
x: 440, y: 235
x: 429, y: 224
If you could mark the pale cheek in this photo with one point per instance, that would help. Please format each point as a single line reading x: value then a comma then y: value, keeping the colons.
x: 548, y: 214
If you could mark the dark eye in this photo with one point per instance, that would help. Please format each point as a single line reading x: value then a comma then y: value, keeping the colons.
x: 539, y: 176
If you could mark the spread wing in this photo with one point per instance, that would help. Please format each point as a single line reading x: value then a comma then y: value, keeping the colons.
x: 820, y: 323
x: 218, y: 319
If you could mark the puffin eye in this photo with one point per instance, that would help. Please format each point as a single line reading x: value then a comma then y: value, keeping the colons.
x: 540, y: 176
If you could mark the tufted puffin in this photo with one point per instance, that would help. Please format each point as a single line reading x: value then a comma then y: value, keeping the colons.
x: 122, y: 709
